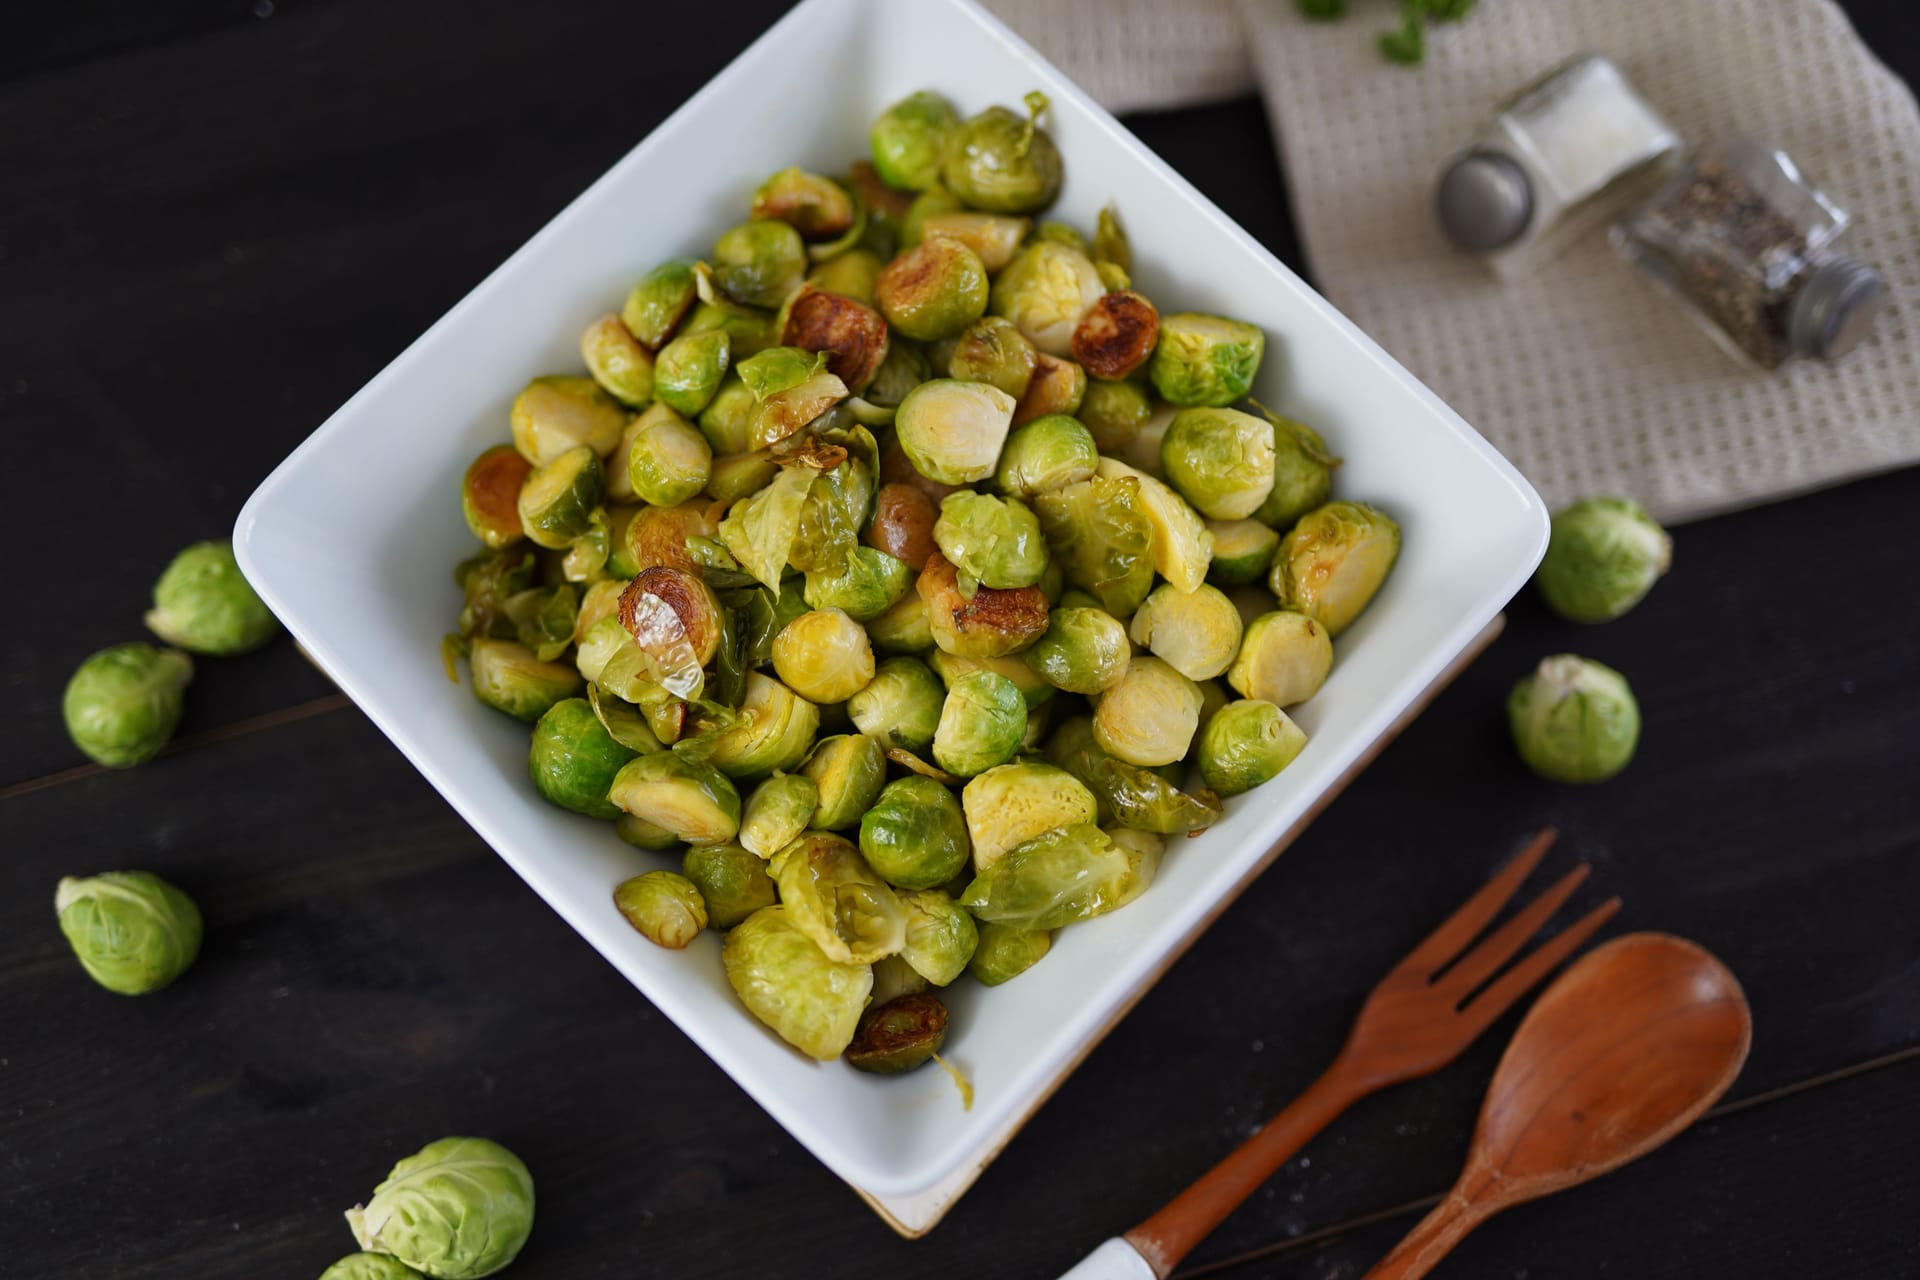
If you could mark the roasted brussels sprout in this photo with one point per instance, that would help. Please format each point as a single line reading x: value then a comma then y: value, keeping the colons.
x: 818, y: 208
x: 994, y: 237
x: 749, y: 331
x: 665, y: 906
x: 668, y: 462
x: 1045, y: 291
x: 785, y: 980
x: 1142, y: 452
x: 837, y: 505
x: 559, y: 498
x: 122, y: 704
x: 834, y: 897
x: 773, y: 729
x: 1101, y: 534
x: 932, y: 202
x: 950, y: 667
x: 777, y: 812
x: 1196, y: 632
x: 1048, y: 453
x: 981, y: 724
x: 659, y: 302
x: 490, y: 495
x: 933, y: 290
x: 1115, y: 412
x: 1012, y: 803
x: 1283, y: 659
x: 871, y: 583
x: 661, y: 535
x: 852, y: 274
x: 853, y: 335
x: 1246, y: 743
x: 131, y: 931
x: 204, y: 604
x: 1302, y: 473
x: 847, y: 771
x: 739, y: 475
x: 617, y: 361
x: 900, y: 706
x: 993, y: 541
x: 904, y: 629
x: 902, y: 525
x: 758, y: 263
x: 904, y: 369
x: 910, y: 138
x: 457, y: 1209
x: 1205, y: 360
x: 1058, y: 387
x: 824, y: 656
x: 915, y: 836
x: 1334, y: 560
x: 992, y: 351
x: 1083, y: 651
x: 555, y: 414
x: 1220, y: 460
x: 1603, y: 556
x: 733, y: 883
x: 369, y: 1266
x: 727, y: 421
x: 689, y: 370
x: 1006, y: 951
x: 1182, y: 547
x: 893, y: 977
x: 1149, y: 716
x: 1574, y: 720
x: 1062, y: 876
x: 940, y: 936
x: 1002, y: 162
x: 760, y: 530
x: 952, y: 430
x: 674, y: 619
x: 897, y: 1036
x: 1116, y: 335
x: 1242, y: 551
x: 692, y: 799
x: 642, y: 834
x: 574, y: 759
x: 508, y: 677
x: 989, y: 624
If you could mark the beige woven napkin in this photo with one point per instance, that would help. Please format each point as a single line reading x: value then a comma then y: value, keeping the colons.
x: 1583, y: 376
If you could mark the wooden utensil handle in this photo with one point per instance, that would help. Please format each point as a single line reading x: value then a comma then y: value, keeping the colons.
x: 1430, y: 1241
x: 1165, y: 1238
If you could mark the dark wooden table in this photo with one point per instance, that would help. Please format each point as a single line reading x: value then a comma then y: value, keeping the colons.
x: 220, y: 219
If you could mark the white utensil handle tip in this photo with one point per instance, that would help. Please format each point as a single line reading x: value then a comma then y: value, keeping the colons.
x: 1113, y: 1260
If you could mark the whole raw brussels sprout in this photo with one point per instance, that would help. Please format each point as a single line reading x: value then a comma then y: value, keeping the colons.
x: 1334, y: 560
x: 773, y: 729
x: 1083, y: 651
x: 369, y: 1266
x: 1100, y: 533
x: 818, y: 208
x: 1115, y: 411
x: 1049, y: 453
x: 1603, y: 556
x: 458, y: 1209
x: 1574, y: 720
x: 1205, y: 360
x: 554, y: 414
x: 1302, y: 473
x: 1128, y: 794
x: 1220, y: 460
x: 898, y: 1036
x: 1284, y: 659
x: 203, y: 604
x: 847, y: 771
x: 688, y: 797
x: 1006, y: 951
x: 558, y: 501
x: 785, y: 980
x: 952, y: 431
x: 777, y: 812
x: 759, y: 263
x: 981, y: 724
x: 915, y: 836
x: 490, y: 495
x: 824, y: 656
x: 122, y: 704
x: 617, y: 361
x: 574, y: 759
x: 1242, y: 551
x: 131, y: 931
x: 1246, y: 743
x: 871, y: 583
x: 933, y: 290
x: 994, y: 541
x: 733, y: 883
x: 835, y: 898
x: 993, y: 351
x: 909, y: 140
x: 665, y: 906
x: 1196, y: 632
x: 668, y: 460
x: 1045, y: 291
x: 941, y: 936
x: 1002, y: 162
x: 1149, y: 716
x: 509, y: 677
x: 1066, y: 875
x: 660, y: 302
x: 688, y: 371
x: 900, y: 706
x: 1012, y: 803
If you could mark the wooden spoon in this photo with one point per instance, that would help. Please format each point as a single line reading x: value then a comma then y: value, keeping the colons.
x: 1629, y: 1047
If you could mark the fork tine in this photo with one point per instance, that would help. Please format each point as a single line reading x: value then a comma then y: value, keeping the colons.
x: 1515, y: 982
x: 1480, y: 963
x: 1464, y: 925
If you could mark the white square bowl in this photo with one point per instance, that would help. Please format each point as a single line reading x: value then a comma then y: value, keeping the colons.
x: 370, y: 595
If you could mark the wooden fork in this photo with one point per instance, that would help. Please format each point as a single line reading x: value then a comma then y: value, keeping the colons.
x: 1417, y: 1020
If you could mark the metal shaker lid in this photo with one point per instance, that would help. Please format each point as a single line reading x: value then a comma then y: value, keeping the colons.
x: 1484, y: 201
x: 1834, y: 310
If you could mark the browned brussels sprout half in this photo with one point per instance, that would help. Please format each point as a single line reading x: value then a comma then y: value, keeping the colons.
x: 899, y: 1035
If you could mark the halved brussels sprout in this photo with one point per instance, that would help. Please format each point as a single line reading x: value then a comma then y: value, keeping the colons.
x: 557, y: 502
x: 1574, y: 720
x: 642, y: 834
x: 1142, y: 453
x: 853, y: 335
x: 665, y: 906
x: 740, y: 475
x: 759, y: 263
x: 992, y: 351
x: 910, y: 137
x: 1006, y: 951
x: 1045, y: 291
x: 1049, y: 453
x: 1334, y: 560
x: 1128, y: 794
x: 1220, y: 460
x: 777, y: 812
x: 659, y: 302
x: 952, y: 430
x: 727, y: 421
x: 508, y: 677
x: 824, y: 656
x: 1205, y: 360
x: 1247, y: 743
x: 906, y: 628
x: 994, y: 541
x: 131, y: 931
x: 900, y: 706
x: 981, y: 724
x: 871, y: 583
x: 1062, y: 876
x: 1196, y: 632
x: 989, y: 624
x: 674, y: 619
x: 1182, y: 547
x: 574, y: 759
x: 1242, y: 551
x: 1003, y: 162
x: 689, y: 369
x: 932, y: 202
x: 902, y: 525
x: 904, y: 369
x: 1013, y: 803
x: 834, y: 897
x: 490, y: 495
x: 1302, y: 472
x: 1100, y: 532
x: 617, y: 361
x: 690, y: 798
x: 772, y: 729
x: 847, y: 772
x: 1033, y: 690
x: 1116, y: 335
x: 818, y: 208
x: 1084, y: 650
x: 852, y: 274
x: 1115, y: 412
x: 914, y: 835
x: 1603, y: 557
x: 600, y: 600
x: 554, y: 414
x: 733, y: 883
x: 899, y: 1035
x: 749, y: 331
x: 1058, y: 387
x: 783, y: 413
x: 1284, y: 659
x: 785, y: 980
x: 586, y: 556
x: 1149, y: 716
x: 668, y: 462
x: 933, y: 290
x: 893, y: 977
x: 941, y: 937
x: 994, y: 237
x: 661, y: 535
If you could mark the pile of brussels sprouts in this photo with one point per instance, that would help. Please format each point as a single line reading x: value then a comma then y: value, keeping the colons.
x: 886, y: 564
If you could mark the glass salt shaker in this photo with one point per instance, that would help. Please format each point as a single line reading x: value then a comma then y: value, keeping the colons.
x: 1561, y: 156
x: 1752, y: 250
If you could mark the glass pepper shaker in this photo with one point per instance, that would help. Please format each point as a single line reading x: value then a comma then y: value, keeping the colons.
x: 1563, y: 155
x: 1752, y: 250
